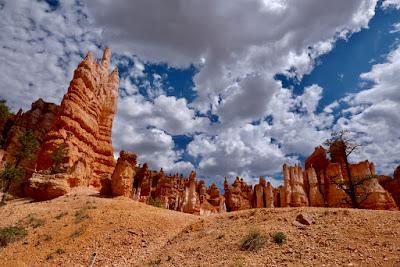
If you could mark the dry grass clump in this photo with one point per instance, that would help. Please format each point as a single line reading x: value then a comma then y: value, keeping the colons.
x: 253, y: 241
x: 11, y: 234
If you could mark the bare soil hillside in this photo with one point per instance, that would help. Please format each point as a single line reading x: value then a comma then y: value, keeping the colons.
x: 68, y: 230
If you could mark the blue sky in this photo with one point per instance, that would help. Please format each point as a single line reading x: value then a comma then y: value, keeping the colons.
x: 224, y: 88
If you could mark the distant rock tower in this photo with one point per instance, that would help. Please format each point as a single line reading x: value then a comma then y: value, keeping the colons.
x: 82, y: 131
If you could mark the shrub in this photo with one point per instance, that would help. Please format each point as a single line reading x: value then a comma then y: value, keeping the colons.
x: 280, y: 238
x: 61, y: 214
x: 76, y: 233
x: 11, y: 234
x: 253, y: 241
x: 156, y: 202
x: 81, y: 215
x: 58, y: 156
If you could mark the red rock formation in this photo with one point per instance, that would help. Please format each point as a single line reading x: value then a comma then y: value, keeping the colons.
x: 191, y: 202
x: 373, y: 195
x: 216, y: 199
x: 392, y: 185
x: 122, y: 178
x: 263, y: 196
x: 39, y: 119
x: 294, y: 186
x: 239, y: 196
x: 84, y: 124
x: 317, y: 160
x: 315, y: 196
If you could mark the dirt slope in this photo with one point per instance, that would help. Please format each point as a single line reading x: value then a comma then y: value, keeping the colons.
x: 66, y: 231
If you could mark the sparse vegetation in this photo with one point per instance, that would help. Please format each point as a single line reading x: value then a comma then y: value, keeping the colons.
x: 58, y: 156
x: 253, y: 241
x: 4, y: 110
x: 11, y: 234
x: 156, y: 202
x: 32, y: 221
x: 12, y: 172
x: 280, y: 238
x: 81, y: 215
x: 78, y: 232
x: 61, y: 215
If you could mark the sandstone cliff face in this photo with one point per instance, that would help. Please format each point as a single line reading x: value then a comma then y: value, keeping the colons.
x: 294, y: 185
x: 39, y: 119
x: 121, y: 180
x: 83, y: 125
x: 263, y: 196
x: 315, y: 196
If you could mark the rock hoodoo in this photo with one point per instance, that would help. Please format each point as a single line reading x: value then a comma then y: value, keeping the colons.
x: 121, y: 180
x: 317, y: 185
x: 83, y: 126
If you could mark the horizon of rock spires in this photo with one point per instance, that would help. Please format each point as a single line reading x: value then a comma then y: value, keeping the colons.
x: 82, y: 126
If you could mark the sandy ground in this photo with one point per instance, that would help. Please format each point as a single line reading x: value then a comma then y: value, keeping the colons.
x: 68, y: 230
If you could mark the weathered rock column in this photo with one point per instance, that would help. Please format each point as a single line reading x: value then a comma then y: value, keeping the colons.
x: 122, y: 178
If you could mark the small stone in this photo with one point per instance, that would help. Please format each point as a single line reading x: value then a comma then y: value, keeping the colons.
x: 304, y: 219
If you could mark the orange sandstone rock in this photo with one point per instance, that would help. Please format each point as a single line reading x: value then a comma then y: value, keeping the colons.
x: 83, y: 125
x: 124, y: 172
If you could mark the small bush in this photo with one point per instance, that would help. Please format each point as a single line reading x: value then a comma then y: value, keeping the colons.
x: 280, y: 238
x: 253, y: 241
x: 76, y: 233
x: 60, y: 215
x: 156, y: 202
x: 81, y: 215
x: 11, y: 234
x: 35, y: 222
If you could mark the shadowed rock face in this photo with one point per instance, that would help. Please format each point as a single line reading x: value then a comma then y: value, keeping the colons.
x: 39, y: 119
x: 83, y: 126
x: 392, y: 185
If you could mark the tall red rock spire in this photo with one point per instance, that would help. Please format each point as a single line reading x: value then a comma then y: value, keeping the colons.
x: 83, y: 126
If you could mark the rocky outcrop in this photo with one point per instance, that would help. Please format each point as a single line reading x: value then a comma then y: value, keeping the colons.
x: 315, y: 196
x: 239, y: 196
x: 392, y: 185
x: 191, y: 202
x: 39, y: 119
x: 263, y: 196
x: 83, y: 126
x: 324, y: 183
x: 294, y: 186
x: 121, y: 180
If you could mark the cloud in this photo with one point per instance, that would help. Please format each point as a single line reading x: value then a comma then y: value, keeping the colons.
x: 391, y: 3
x: 230, y: 41
x: 41, y: 46
x: 374, y: 115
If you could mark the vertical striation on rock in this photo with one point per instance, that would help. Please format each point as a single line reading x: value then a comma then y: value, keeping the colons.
x: 83, y: 125
x: 124, y: 172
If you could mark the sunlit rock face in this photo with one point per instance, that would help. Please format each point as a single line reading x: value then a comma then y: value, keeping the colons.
x: 317, y: 185
x: 121, y: 180
x: 83, y: 126
x: 239, y: 196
